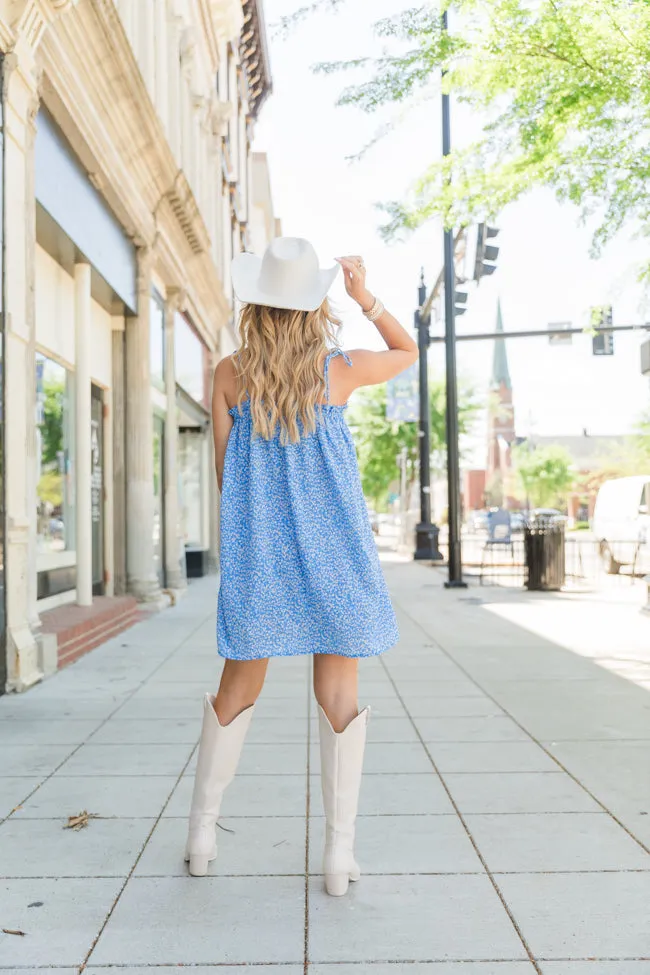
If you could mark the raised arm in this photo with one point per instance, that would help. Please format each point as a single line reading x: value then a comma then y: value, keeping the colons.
x: 370, y: 368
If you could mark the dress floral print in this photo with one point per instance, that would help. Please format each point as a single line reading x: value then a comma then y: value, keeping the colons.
x: 300, y: 571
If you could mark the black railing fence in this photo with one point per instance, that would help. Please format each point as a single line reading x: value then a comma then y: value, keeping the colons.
x: 586, y: 561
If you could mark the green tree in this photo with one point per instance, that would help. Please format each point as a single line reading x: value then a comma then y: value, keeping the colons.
x: 52, y: 425
x: 379, y: 440
x: 641, y: 442
x: 546, y: 474
x: 562, y: 87
x: 50, y: 488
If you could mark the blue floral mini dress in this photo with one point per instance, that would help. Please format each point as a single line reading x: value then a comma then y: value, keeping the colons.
x: 300, y: 571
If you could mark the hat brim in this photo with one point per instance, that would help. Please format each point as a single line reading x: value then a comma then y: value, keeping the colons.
x: 245, y: 271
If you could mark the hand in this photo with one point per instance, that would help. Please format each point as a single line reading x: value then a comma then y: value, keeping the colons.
x: 354, y: 275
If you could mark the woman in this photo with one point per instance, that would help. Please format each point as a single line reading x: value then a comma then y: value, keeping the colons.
x: 299, y: 567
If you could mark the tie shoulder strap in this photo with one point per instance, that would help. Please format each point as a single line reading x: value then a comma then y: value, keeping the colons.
x: 330, y: 355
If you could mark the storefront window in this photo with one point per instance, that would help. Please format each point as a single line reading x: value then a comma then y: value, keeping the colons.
x: 55, y: 457
x: 157, y: 340
x: 190, y: 365
x: 190, y: 468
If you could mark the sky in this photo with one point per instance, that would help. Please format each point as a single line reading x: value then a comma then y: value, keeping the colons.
x: 545, y: 273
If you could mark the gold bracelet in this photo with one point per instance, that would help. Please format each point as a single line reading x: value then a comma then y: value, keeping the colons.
x: 375, y: 312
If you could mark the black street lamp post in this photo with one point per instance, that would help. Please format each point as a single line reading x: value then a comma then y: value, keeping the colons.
x: 426, y: 534
x: 453, y: 460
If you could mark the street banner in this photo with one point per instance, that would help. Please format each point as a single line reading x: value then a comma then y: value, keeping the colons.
x: 556, y: 337
x: 403, y: 396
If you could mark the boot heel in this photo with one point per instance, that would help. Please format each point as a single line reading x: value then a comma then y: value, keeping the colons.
x: 336, y: 884
x: 199, y: 865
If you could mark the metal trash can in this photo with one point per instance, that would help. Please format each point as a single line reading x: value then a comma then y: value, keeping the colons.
x: 545, y: 557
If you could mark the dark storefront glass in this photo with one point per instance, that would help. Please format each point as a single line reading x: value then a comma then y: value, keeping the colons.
x: 97, y: 488
x: 158, y: 497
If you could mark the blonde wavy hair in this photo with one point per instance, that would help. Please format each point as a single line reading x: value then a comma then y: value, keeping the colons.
x: 280, y: 365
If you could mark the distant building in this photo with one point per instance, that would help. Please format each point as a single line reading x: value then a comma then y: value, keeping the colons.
x: 501, y: 421
x: 592, y: 455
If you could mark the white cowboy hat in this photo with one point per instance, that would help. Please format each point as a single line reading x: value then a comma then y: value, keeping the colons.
x: 288, y: 276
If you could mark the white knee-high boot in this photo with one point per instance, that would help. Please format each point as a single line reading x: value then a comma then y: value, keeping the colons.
x: 341, y: 759
x: 219, y: 750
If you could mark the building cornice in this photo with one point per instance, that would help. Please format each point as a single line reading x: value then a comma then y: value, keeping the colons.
x: 222, y: 21
x: 254, y: 55
x: 227, y: 17
x: 25, y: 21
x: 103, y: 107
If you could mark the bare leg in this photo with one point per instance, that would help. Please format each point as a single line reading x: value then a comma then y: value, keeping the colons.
x: 336, y: 688
x: 226, y: 719
x: 241, y: 683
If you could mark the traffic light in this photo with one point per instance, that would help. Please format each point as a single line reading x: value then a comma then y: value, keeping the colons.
x: 486, y: 254
x: 460, y: 303
x: 602, y: 343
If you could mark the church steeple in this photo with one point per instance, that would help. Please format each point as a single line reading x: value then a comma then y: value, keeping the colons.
x: 501, y: 419
x: 500, y: 371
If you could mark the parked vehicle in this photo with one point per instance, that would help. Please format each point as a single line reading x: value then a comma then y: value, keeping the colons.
x: 621, y: 522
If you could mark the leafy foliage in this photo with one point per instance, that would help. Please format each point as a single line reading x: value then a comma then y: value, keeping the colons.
x: 50, y: 488
x: 564, y: 92
x: 546, y: 474
x: 641, y: 443
x: 379, y: 440
x: 52, y: 425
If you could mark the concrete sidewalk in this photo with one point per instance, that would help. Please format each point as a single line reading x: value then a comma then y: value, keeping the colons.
x: 505, y: 812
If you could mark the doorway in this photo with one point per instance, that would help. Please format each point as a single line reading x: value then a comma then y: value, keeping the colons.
x: 97, y: 487
x: 159, y: 497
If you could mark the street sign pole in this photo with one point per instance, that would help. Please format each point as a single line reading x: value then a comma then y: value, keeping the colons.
x: 455, y: 567
x: 426, y: 534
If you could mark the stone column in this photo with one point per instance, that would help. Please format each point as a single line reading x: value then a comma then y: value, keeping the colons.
x: 141, y: 577
x: 175, y: 576
x: 119, y: 460
x: 83, y: 465
x: 20, y: 107
x: 23, y: 26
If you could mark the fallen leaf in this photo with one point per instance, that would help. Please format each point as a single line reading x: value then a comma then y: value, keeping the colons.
x: 21, y: 934
x: 80, y: 821
x: 16, y: 808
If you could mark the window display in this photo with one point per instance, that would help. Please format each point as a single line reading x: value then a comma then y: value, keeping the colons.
x: 55, y: 458
x: 190, y: 469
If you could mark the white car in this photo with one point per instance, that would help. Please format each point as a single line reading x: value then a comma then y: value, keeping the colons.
x: 622, y: 522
